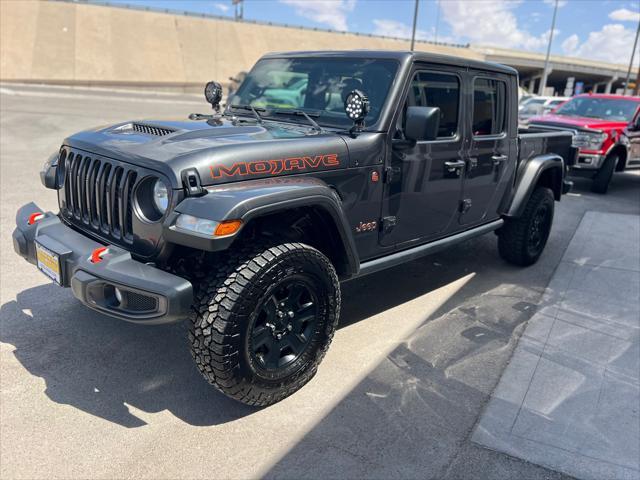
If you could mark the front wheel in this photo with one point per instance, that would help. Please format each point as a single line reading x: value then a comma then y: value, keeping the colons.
x: 263, y: 321
x: 522, y: 240
x: 602, y: 179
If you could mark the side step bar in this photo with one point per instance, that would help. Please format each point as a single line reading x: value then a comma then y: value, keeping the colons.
x: 403, y: 256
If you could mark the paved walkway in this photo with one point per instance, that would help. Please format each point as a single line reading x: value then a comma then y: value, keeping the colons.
x: 570, y: 398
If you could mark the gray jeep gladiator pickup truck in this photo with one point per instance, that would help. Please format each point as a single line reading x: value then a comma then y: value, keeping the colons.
x: 324, y: 166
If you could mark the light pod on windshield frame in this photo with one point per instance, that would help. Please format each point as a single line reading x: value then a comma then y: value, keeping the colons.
x: 213, y: 94
x: 356, y: 106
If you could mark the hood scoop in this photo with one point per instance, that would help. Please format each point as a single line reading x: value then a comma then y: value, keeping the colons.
x: 143, y: 128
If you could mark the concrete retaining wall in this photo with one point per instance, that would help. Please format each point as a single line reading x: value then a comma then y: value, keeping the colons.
x: 55, y: 42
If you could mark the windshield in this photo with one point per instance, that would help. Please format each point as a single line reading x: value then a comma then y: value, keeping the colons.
x: 317, y: 86
x: 615, y: 109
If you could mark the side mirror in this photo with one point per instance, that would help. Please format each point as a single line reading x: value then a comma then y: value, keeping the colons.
x: 634, y: 126
x: 422, y: 123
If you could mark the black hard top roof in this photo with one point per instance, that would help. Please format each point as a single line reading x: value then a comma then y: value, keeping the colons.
x: 401, y: 56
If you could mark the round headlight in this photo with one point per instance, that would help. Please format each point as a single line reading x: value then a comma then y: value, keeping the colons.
x: 160, y: 196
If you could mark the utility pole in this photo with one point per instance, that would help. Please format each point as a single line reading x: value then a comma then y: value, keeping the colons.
x: 239, y: 9
x: 545, y: 73
x: 633, y: 54
x: 415, y: 21
x: 437, y: 19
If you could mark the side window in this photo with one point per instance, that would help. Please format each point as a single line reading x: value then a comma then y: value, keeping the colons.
x: 489, y: 102
x: 437, y: 90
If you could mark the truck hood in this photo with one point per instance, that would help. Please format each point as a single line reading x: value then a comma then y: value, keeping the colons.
x: 220, y: 150
x: 578, y: 122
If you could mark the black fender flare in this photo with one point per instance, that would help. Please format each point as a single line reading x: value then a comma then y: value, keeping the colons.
x: 529, y: 176
x: 251, y: 199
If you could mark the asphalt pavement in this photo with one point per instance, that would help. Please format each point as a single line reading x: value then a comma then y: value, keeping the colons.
x: 419, y: 351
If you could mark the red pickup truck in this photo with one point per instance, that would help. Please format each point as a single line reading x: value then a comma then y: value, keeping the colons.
x: 606, y: 129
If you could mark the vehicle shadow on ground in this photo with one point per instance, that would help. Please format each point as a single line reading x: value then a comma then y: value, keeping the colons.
x: 110, y: 368
x: 104, y: 366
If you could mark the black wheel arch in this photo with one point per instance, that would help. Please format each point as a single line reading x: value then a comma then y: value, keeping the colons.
x: 271, y: 207
x: 541, y: 171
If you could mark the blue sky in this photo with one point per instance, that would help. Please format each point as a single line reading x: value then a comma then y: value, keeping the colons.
x: 592, y: 29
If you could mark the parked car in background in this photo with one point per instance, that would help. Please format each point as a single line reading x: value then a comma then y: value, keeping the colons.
x: 536, y: 106
x: 605, y: 128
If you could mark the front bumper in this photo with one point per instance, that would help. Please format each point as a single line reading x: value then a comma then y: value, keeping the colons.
x: 118, y: 285
x: 588, y: 162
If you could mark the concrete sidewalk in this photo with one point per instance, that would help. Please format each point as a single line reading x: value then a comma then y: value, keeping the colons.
x: 570, y: 398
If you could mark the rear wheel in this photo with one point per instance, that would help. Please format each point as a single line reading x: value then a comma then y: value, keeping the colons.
x: 521, y: 241
x: 602, y: 178
x: 263, y: 321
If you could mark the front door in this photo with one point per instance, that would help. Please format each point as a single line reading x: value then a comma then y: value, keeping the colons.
x: 425, y: 179
x: 488, y: 169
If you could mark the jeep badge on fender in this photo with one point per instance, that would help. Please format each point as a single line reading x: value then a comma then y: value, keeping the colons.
x: 244, y: 221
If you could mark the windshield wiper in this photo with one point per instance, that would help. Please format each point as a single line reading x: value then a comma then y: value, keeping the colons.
x: 252, y: 109
x: 302, y: 113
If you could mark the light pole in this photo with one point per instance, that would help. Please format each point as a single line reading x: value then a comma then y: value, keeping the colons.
x: 633, y: 53
x: 545, y: 73
x: 415, y: 20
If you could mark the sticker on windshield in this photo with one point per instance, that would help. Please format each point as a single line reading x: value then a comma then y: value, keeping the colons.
x: 275, y: 167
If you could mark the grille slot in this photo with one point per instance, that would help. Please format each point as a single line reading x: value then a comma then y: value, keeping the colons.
x: 151, y: 130
x: 98, y: 194
x: 138, y: 302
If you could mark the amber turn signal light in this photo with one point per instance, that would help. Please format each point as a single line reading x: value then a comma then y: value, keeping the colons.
x: 228, y: 227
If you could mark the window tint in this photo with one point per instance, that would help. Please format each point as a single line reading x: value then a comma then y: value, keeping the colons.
x: 437, y: 90
x: 488, y: 106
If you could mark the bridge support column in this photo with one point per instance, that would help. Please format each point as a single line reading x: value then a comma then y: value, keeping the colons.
x: 610, y: 85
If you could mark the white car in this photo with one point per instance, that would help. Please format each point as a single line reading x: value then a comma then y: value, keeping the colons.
x: 535, y: 106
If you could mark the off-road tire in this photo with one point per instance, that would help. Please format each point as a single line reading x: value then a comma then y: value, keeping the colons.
x: 602, y: 179
x: 515, y: 237
x: 228, y: 300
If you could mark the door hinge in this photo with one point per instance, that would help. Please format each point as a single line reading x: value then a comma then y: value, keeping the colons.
x: 465, y: 205
x: 388, y: 223
x: 389, y: 173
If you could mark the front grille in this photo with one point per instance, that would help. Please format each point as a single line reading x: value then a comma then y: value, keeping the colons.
x: 98, y: 194
x: 151, y: 130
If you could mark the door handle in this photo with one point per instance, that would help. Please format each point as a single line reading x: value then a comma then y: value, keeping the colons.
x: 454, y: 165
x: 498, y: 159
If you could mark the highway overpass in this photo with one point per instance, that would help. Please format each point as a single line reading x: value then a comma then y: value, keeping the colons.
x: 79, y: 43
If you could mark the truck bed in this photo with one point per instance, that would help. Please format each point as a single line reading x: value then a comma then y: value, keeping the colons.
x: 536, y: 141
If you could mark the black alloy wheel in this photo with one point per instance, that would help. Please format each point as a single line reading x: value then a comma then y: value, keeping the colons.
x: 521, y: 240
x: 284, y: 324
x: 539, y: 229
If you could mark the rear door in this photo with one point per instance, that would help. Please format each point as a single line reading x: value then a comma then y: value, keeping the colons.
x: 488, y: 170
x: 423, y: 190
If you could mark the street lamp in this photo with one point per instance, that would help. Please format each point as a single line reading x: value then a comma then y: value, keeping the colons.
x: 415, y: 20
x: 545, y: 73
x: 633, y: 53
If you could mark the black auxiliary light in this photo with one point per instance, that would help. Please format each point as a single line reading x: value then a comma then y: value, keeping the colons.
x: 213, y: 95
x: 356, y: 106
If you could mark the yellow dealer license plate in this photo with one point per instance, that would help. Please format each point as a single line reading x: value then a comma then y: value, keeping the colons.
x: 48, y: 263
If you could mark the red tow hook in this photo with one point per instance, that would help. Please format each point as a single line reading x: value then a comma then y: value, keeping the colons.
x: 34, y: 217
x: 98, y: 253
